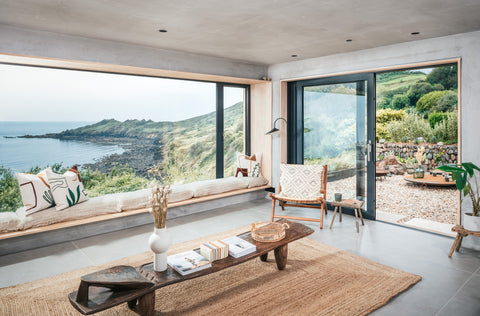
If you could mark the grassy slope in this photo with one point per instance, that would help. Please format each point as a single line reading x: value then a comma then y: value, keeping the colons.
x: 396, y: 81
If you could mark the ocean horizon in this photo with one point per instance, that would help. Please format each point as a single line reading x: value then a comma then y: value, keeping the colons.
x: 22, y: 154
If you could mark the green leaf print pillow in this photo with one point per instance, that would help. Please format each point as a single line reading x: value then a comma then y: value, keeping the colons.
x: 67, y: 188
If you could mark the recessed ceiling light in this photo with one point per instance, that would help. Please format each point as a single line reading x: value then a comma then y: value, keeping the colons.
x: 348, y: 40
x: 414, y: 33
x: 162, y: 31
x: 294, y: 55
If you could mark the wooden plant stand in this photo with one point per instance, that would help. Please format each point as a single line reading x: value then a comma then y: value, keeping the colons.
x: 355, y: 204
x: 461, y: 232
x: 136, y: 286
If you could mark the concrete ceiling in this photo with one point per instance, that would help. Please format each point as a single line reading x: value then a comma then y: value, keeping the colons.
x: 256, y: 31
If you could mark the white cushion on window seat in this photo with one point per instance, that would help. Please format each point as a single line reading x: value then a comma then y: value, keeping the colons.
x: 216, y: 186
x: 10, y: 221
x: 141, y: 198
x: 95, y: 206
x: 253, y: 182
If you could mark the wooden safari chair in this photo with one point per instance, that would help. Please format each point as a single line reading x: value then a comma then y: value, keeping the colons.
x: 302, y: 186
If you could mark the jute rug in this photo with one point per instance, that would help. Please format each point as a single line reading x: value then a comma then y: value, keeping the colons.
x: 318, y: 280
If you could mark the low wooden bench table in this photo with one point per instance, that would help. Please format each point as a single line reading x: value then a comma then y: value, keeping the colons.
x: 461, y: 232
x: 136, y: 286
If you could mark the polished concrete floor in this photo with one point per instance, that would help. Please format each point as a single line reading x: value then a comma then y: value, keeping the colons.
x: 450, y: 286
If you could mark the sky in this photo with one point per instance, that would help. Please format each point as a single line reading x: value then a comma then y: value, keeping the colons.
x: 47, y: 94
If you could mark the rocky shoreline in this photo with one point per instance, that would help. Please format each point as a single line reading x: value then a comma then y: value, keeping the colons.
x: 141, y: 155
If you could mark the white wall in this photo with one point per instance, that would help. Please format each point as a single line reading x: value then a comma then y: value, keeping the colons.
x: 465, y: 46
x: 20, y: 41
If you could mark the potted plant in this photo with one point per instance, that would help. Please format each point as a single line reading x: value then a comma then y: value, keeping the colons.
x: 464, y: 175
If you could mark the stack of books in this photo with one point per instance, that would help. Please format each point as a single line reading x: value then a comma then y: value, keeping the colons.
x: 188, y: 262
x: 238, y: 247
x: 214, y: 250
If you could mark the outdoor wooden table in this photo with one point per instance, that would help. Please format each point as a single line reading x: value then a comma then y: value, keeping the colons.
x: 429, y: 180
x: 136, y: 286
x: 461, y: 232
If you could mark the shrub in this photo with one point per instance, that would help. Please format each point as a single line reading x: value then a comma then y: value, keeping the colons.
x: 446, y: 76
x: 447, y: 102
x: 10, y: 198
x: 429, y: 101
x: 418, y: 90
x: 388, y: 115
x: 447, y: 129
x: 436, y: 117
x: 119, y: 179
x: 410, y: 128
x: 400, y: 101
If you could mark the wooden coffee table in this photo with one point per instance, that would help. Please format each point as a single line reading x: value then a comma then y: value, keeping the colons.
x: 136, y: 286
x: 430, y: 181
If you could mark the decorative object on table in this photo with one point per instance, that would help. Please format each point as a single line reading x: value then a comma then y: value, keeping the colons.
x: 67, y: 189
x: 275, y: 130
x: 269, y: 231
x: 239, y: 247
x: 419, y: 173
x: 463, y: 175
x: 214, y: 250
x: 160, y: 240
x: 302, y: 186
x: 188, y: 262
x: 338, y: 197
x: 355, y: 204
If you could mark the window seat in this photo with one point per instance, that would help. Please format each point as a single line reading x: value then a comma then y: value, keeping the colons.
x: 118, y: 211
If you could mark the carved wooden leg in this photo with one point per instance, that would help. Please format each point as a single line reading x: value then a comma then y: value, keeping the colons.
x: 361, y: 217
x: 273, y: 209
x: 82, y: 294
x: 281, y: 256
x: 333, y: 217
x: 356, y: 219
x: 146, y: 304
x: 264, y: 257
x: 460, y: 241
x: 131, y: 304
x: 340, y: 213
x: 455, y: 243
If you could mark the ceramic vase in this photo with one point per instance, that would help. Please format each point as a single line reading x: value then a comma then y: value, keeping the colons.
x: 159, y: 242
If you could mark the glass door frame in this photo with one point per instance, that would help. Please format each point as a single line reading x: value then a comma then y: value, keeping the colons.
x: 295, y: 127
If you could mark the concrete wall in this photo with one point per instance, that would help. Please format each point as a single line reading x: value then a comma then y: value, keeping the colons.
x: 20, y: 41
x: 465, y: 46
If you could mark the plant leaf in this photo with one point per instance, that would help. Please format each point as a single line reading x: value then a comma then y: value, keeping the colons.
x: 470, y: 167
x: 451, y: 168
x: 460, y: 181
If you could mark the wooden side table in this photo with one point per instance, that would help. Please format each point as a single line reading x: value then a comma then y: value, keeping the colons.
x: 461, y: 232
x: 355, y: 204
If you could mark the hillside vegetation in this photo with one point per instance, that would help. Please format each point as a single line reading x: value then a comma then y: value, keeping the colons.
x: 413, y: 106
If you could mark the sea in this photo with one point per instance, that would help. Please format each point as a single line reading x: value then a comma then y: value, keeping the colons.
x: 21, y: 154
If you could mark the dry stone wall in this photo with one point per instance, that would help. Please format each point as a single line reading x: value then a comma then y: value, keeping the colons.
x: 435, y: 154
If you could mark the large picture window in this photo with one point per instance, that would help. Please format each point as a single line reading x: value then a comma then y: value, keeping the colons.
x: 124, y: 131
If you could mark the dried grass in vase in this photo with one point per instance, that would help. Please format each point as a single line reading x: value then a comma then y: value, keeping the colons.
x: 159, y: 203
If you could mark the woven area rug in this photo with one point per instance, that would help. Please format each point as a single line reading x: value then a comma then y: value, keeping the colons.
x: 318, y: 280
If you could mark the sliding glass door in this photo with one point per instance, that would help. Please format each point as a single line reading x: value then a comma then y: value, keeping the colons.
x: 333, y: 124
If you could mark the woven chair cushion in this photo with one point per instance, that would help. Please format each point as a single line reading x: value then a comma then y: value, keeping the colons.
x: 301, y: 181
